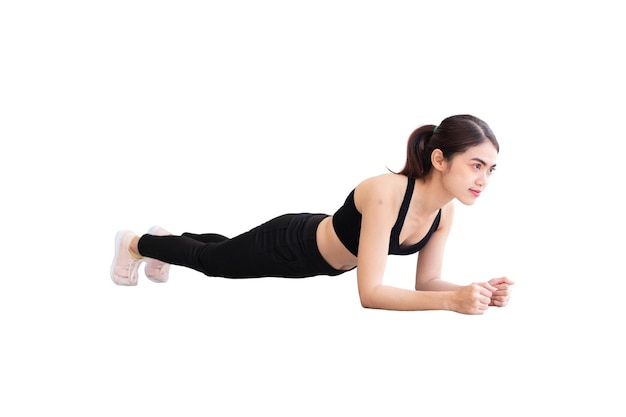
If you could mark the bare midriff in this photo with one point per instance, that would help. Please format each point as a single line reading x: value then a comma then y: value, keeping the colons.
x: 331, y: 248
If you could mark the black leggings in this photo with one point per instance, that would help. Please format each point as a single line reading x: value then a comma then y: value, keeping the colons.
x: 283, y: 247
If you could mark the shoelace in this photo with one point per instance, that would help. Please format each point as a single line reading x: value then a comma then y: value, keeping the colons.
x: 133, y: 266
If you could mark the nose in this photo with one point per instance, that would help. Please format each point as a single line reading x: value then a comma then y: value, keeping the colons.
x: 482, y: 180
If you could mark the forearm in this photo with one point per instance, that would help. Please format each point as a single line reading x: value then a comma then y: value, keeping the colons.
x: 435, y: 285
x: 392, y: 298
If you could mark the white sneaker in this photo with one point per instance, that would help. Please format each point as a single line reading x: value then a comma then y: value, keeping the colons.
x: 156, y: 270
x: 124, y: 266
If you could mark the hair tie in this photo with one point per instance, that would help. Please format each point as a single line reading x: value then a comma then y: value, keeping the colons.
x: 435, y: 129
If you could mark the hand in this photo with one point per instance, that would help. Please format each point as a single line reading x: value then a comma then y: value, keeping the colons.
x: 474, y: 298
x: 500, y: 297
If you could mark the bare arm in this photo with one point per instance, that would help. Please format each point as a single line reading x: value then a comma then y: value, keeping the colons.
x: 378, y: 216
x: 430, y: 258
x: 379, y: 213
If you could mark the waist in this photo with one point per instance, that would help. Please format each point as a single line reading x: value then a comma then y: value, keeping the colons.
x: 331, y: 248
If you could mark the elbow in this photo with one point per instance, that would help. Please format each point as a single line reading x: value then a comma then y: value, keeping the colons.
x: 366, y: 303
x: 367, y: 299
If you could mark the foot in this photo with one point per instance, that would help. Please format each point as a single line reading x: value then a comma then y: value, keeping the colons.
x: 125, y: 264
x: 157, y: 271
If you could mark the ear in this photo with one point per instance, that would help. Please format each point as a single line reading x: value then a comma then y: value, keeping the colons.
x: 437, y: 159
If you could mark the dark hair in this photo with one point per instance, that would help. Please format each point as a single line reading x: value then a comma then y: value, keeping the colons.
x: 454, y: 135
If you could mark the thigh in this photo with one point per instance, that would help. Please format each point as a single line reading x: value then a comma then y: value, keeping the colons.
x: 267, y: 250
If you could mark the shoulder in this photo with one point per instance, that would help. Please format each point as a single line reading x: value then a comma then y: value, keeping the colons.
x: 382, y: 184
x: 386, y: 190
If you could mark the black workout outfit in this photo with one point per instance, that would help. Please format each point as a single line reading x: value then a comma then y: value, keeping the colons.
x: 285, y: 246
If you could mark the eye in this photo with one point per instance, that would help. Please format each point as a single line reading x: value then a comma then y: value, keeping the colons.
x: 492, y: 170
x: 477, y: 166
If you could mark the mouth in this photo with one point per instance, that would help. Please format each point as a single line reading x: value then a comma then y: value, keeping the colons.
x: 475, y: 193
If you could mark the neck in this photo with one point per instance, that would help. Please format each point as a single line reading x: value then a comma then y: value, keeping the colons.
x: 431, y: 195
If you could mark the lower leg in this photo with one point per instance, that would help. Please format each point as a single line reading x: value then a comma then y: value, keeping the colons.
x: 204, y: 238
x: 207, y: 237
x: 171, y: 249
x: 133, y: 248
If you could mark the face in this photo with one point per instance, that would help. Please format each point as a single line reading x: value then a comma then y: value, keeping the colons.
x: 466, y: 176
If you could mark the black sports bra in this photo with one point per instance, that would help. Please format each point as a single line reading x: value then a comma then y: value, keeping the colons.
x: 347, y: 224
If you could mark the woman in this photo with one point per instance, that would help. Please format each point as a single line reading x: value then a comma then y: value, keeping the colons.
x: 394, y: 213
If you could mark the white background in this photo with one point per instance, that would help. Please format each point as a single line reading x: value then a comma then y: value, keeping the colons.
x: 215, y: 116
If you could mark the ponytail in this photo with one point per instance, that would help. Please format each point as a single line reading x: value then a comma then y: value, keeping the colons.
x: 418, y: 151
